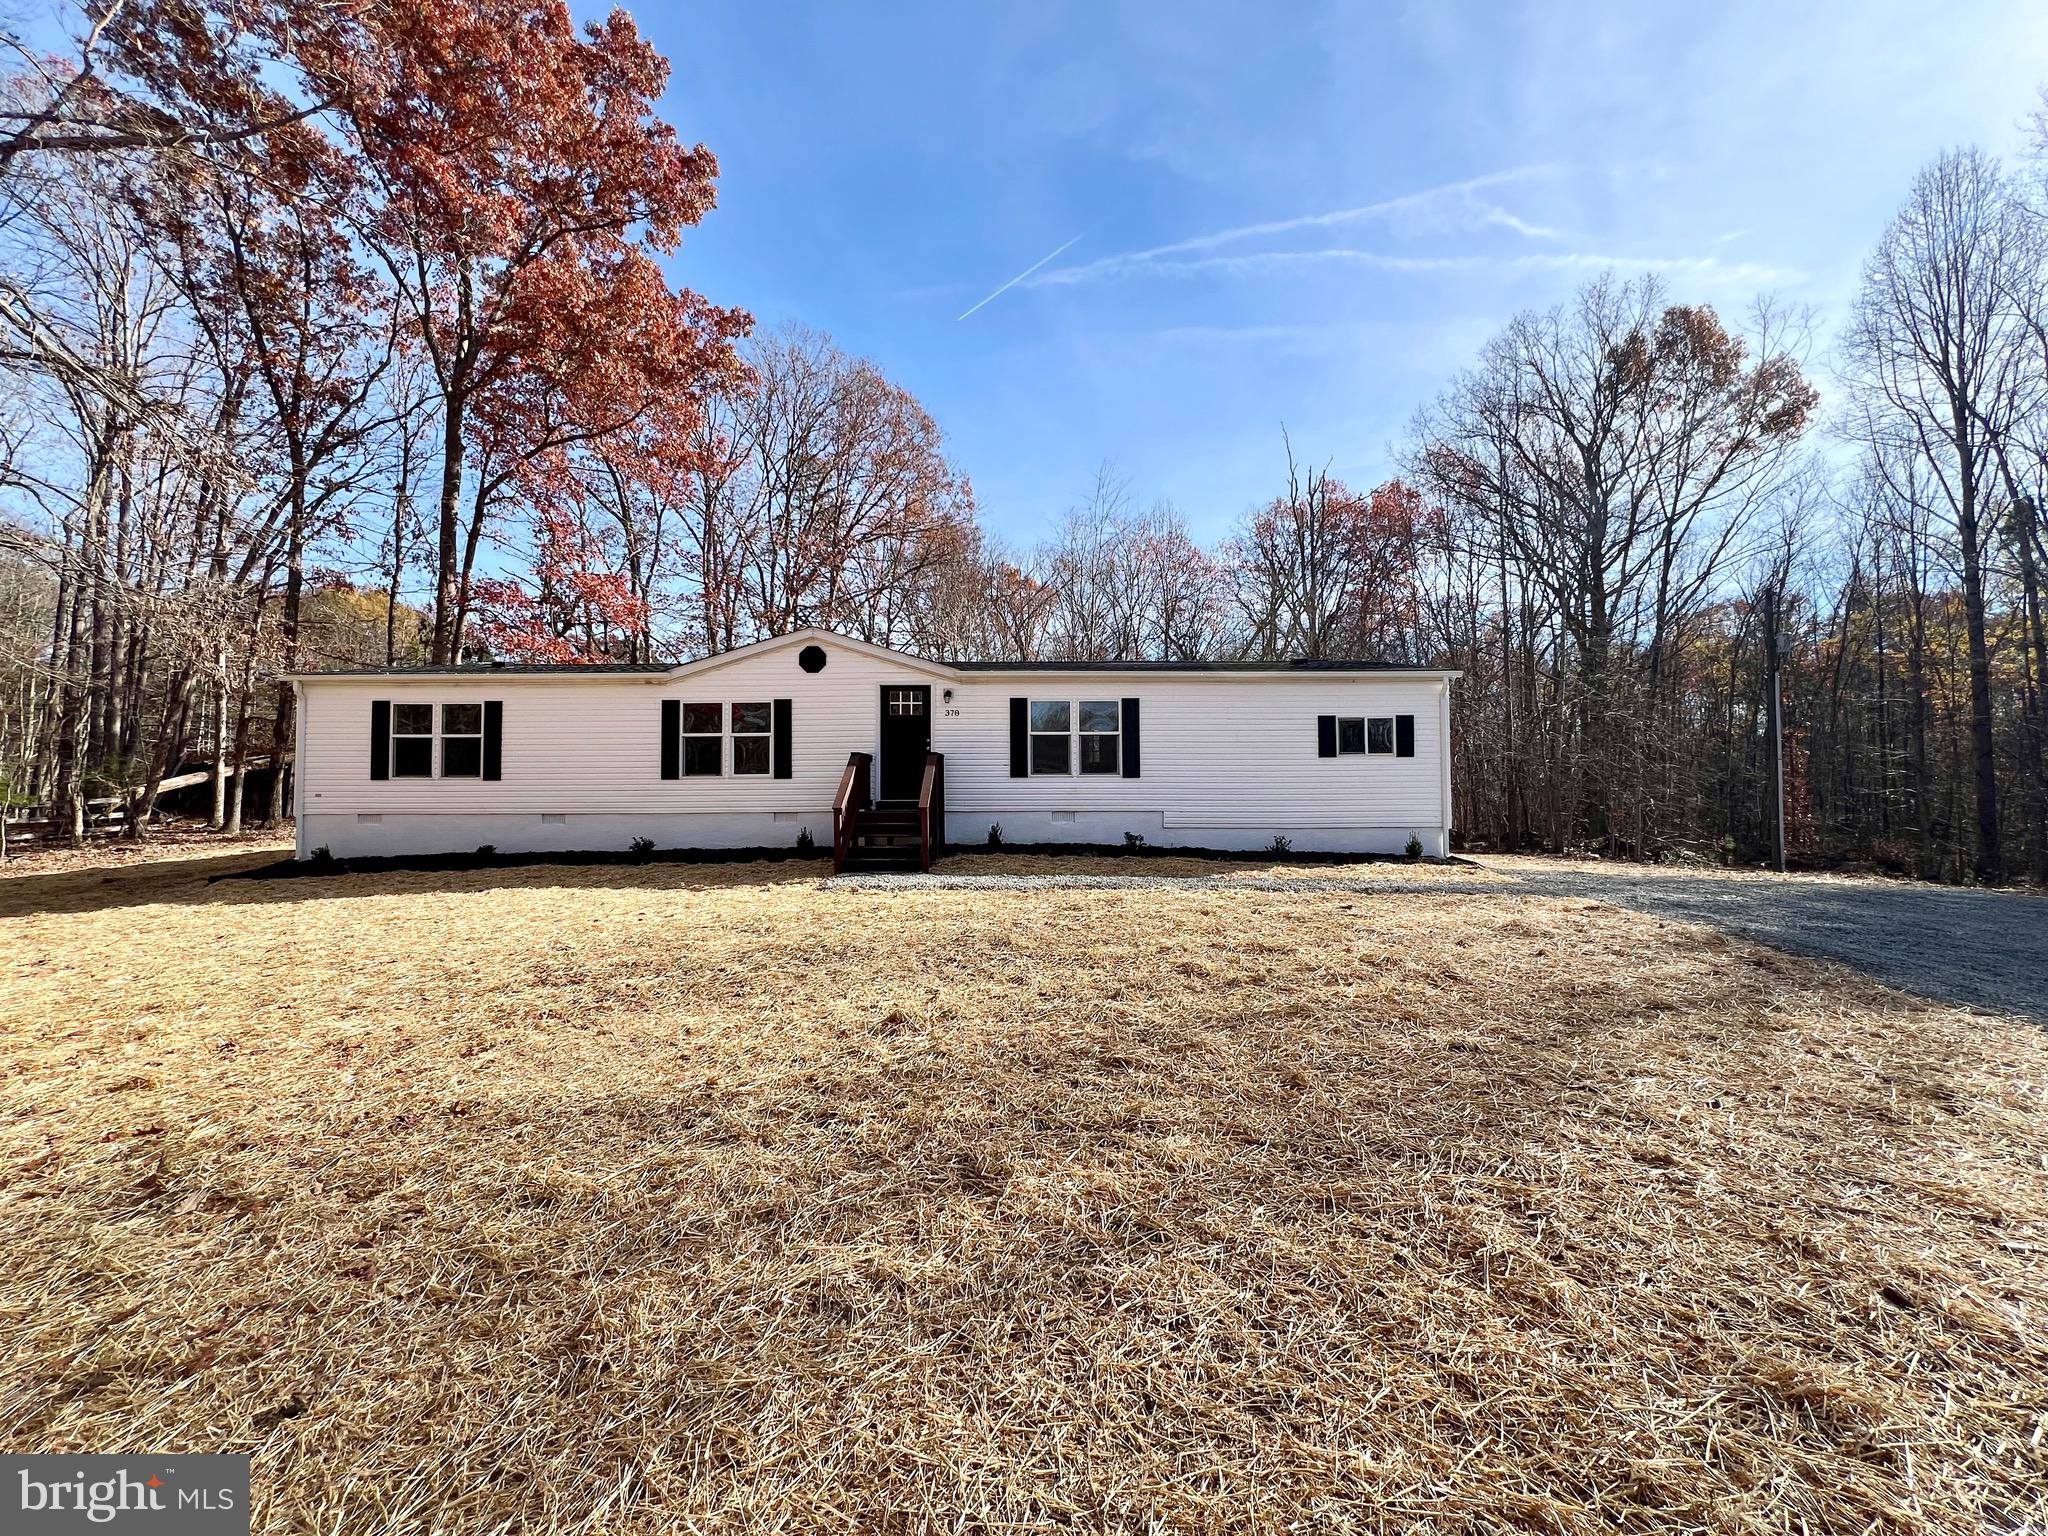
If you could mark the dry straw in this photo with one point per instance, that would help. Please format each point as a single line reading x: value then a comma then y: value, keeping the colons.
x: 665, y: 1199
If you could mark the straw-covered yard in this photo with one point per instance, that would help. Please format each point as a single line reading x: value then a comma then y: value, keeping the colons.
x: 697, y: 1198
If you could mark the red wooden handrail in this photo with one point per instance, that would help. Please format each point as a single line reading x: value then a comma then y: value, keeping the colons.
x: 847, y: 805
x: 931, y: 810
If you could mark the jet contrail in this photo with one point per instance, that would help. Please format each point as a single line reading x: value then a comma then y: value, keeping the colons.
x: 1013, y: 282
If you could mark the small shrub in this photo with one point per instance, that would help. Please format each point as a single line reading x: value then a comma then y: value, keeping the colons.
x: 321, y: 855
x: 1134, y: 840
x: 804, y: 841
x: 642, y: 847
x: 1414, y: 848
x: 1281, y: 845
x: 487, y: 850
x: 995, y: 834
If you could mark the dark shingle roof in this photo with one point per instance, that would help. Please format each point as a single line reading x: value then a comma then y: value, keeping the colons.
x: 1297, y: 664
x: 501, y: 669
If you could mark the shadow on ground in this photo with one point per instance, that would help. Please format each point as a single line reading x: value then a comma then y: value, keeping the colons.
x: 1973, y: 948
x: 185, y: 881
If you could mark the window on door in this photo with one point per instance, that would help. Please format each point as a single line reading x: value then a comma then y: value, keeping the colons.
x: 906, y: 701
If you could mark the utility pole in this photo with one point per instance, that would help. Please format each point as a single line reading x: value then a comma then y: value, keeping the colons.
x: 1774, y: 653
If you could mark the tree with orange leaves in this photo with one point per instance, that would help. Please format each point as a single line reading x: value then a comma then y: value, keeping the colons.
x: 1325, y: 570
x: 518, y: 188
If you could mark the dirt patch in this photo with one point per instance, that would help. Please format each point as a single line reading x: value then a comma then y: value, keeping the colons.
x: 631, y: 1199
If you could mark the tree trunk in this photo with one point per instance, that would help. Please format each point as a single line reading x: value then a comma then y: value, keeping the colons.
x: 1916, y: 733
x: 281, y: 717
x: 448, y: 510
x: 142, y: 806
x: 241, y: 762
x: 1990, y: 860
x: 218, y: 818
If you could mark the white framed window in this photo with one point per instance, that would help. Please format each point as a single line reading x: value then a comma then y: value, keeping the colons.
x: 1052, y: 736
x: 906, y: 701
x: 1379, y: 735
x: 1099, y: 724
x: 703, y: 740
x: 752, y: 727
x: 462, y: 741
x: 1073, y: 736
x: 1350, y: 736
x: 412, y: 741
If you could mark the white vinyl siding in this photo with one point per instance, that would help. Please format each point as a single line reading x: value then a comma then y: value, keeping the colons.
x: 593, y: 744
x: 1216, y: 749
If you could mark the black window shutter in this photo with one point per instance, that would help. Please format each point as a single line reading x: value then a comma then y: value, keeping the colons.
x: 1326, y: 735
x: 781, y: 746
x: 494, y: 729
x: 1130, y: 714
x: 380, y: 739
x: 1404, y: 735
x: 1020, y: 738
x: 671, y: 738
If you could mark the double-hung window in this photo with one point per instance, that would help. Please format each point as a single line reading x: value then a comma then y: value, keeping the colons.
x: 412, y: 741
x: 462, y: 741
x: 1052, y: 727
x: 1350, y: 737
x: 703, y: 740
x: 752, y: 727
x: 1100, y: 729
x: 435, y: 741
x: 1379, y: 735
x: 1076, y: 736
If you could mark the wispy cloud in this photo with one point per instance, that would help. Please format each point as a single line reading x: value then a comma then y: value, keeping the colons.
x: 1701, y: 268
x: 1520, y: 225
x: 1013, y: 282
x: 1453, y: 205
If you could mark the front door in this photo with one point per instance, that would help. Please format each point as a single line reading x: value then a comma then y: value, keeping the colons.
x: 906, y: 737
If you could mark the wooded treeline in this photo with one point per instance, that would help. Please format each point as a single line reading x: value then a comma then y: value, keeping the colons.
x: 309, y: 360
x: 1643, y: 508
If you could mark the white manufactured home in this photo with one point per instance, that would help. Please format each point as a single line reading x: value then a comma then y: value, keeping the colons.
x: 873, y: 753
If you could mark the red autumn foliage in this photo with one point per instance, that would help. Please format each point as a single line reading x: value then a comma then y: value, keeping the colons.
x: 1328, y: 571
x: 511, y: 174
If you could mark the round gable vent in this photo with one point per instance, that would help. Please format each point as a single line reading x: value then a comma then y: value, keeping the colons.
x: 811, y: 658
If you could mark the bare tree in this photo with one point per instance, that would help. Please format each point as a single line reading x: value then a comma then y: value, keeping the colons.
x: 1617, y: 449
x: 1937, y: 346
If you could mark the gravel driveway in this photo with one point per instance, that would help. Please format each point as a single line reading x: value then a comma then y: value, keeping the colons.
x: 1982, y: 949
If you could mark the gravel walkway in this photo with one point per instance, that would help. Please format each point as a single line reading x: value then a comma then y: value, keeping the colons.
x: 1979, y: 949
x: 1072, y: 882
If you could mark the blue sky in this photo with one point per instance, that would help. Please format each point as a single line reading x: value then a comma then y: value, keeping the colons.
x: 1288, y: 213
